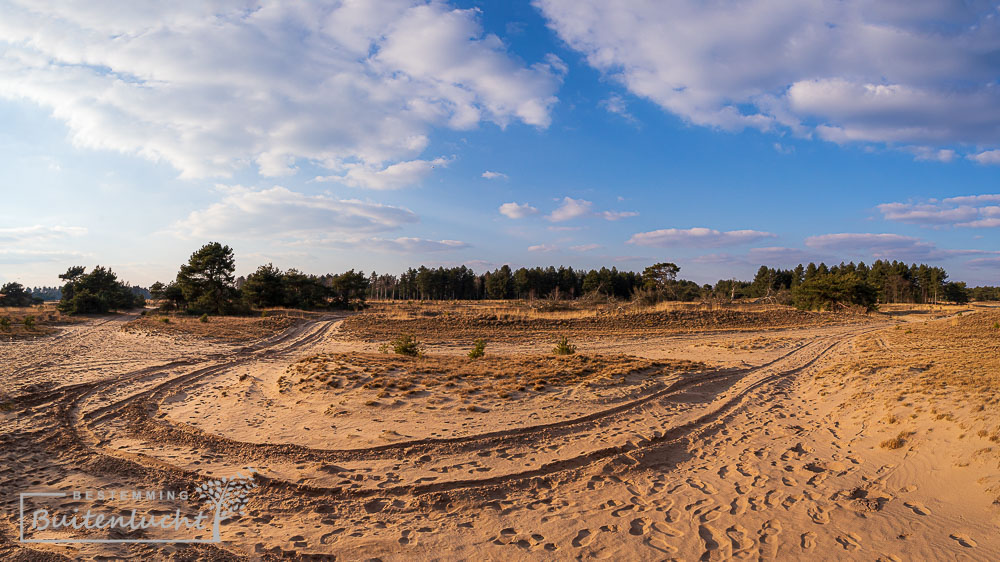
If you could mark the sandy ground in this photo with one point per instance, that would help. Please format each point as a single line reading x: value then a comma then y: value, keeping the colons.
x: 771, y: 446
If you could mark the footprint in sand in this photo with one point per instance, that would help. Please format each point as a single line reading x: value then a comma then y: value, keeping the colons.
x: 964, y: 540
x: 665, y: 529
x: 808, y: 540
x: 918, y: 508
x: 739, y: 506
x: 583, y: 538
x: 703, y: 486
x: 638, y: 526
x: 711, y: 515
x: 769, y: 538
x: 819, y: 514
x: 717, y: 547
x: 657, y: 544
x: 850, y: 541
x: 740, y: 538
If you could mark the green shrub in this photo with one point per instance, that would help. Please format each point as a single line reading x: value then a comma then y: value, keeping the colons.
x: 478, y: 350
x: 203, y: 319
x: 996, y: 325
x: 406, y: 344
x: 263, y: 314
x: 29, y: 322
x: 563, y: 347
x: 165, y: 320
x: 4, y: 323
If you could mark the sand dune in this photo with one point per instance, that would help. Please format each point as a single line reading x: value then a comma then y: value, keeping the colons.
x: 854, y: 439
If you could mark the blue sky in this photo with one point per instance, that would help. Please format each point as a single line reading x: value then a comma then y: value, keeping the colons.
x: 328, y: 136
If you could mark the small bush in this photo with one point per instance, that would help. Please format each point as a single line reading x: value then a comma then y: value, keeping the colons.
x: 996, y: 325
x: 478, y: 350
x: 563, y: 347
x: 896, y: 442
x: 29, y: 322
x: 165, y: 320
x: 406, y: 344
x: 4, y: 323
x: 263, y: 314
x: 204, y: 318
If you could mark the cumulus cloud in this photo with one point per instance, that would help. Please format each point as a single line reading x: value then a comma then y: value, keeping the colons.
x: 542, y: 248
x: 39, y: 233
x: 395, y: 176
x: 585, y: 247
x: 570, y: 209
x: 617, y: 215
x: 986, y: 157
x: 494, y: 175
x: 970, y: 211
x: 845, y: 71
x: 212, y: 87
x: 517, y: 211
x: 697, y: 237
x: 281, y: 213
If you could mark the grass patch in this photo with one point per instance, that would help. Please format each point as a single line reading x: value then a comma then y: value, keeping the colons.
x: 478, y: 349
x: 563, y: 347
x: 896, y: 442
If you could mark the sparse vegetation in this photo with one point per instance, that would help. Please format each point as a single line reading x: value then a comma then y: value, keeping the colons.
x: 4, y: 323
x: 29, y: 322
x: 563, y: 347
x: 406, y: 344
x: 203, y: 319
x: 896, y: 442
x: 478, y: 349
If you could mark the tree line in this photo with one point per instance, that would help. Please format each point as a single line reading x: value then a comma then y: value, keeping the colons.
x: 206, y: 284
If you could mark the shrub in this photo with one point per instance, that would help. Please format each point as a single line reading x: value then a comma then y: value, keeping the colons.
x: 478, y: 350
x: 203, y: 318
x: 563, y: 347
x: 4, y: 323
x: 406, y: 344
x: 29, y: 322
x: 896, y: 442
x: 165, y: 320
x: 996, y: 325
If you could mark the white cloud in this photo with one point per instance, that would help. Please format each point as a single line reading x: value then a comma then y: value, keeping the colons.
x: 928, y: 154
x: 494, y: 175
x: 986, y: 157
x: 970, y: 211
x: 395, y: 176
x: 22, y: 256
x: 281, y: 213
x: 984, y: 263
x: 585, y: 247
x: 542, y: 248
x: 410, y: 245
x: 881, y: 246
x: 845, y: 71
x: 570, y: 209
x: 517, y: 211
x: 616, y: 104
x: 697, y: 237
x: 39, y: 233
x: 213, y: 87
x: 617, y: 215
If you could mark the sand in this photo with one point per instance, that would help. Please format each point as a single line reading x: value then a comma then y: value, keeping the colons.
x: 761, y: 443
